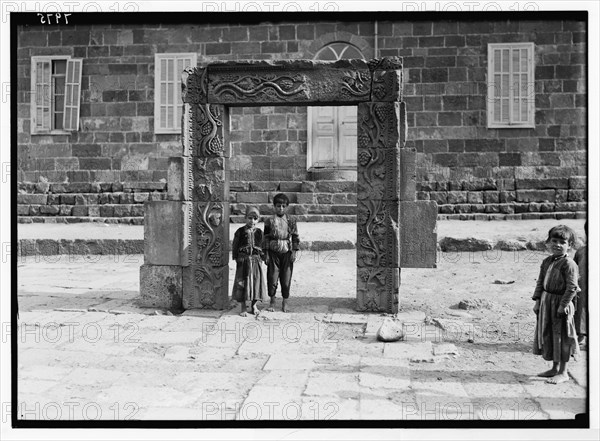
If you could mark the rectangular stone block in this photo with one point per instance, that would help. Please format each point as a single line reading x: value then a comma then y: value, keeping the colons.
x: 167, y: 232
x: 179, y: 179
x: 161, y: 286
x: 578, y: 182
x: 205, y: 287
x: 378, y: 236
x: 305, y: 198
x: 210, y: 183
x: 377, y: 289
x: 38, y: 199
x: 457, y: 197
x: 542, y: 184
x: 267, y: 82
x: 209, y: 234
x: 380, y: 125
x: 576, y: 195
x: 418, y: 234
x: 536, y: 195
x: 408, y: 174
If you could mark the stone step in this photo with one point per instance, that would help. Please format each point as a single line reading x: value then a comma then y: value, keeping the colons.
x: 299, y: 209
x: 137, y: 220
x: 312, y: 218
x: 294, y: 186
x: 90, y: 187
x: 264, y: 197
x: 90, y: 198
x: 91, y: 210
x: 308, y: 218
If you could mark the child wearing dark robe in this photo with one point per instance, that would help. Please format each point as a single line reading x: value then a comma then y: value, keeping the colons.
x: 249, y: 283
x: 555, y: 337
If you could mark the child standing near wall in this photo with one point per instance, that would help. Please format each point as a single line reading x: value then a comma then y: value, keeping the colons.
x: 582, y: 298
x: 249, y: 282
x: 555, y: 337
x: 281, y: 243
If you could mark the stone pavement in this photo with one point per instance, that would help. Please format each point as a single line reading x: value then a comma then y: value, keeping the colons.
x: 86, y: 351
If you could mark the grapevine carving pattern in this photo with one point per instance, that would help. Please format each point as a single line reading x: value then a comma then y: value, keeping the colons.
x: 208, y: 139
x: 356, y: 84
x: 387, y: 86
x: 377, y: 234
x: 377, y: 125
x: 239, y: 87
x: 375, y: 286
x: 377, y: 174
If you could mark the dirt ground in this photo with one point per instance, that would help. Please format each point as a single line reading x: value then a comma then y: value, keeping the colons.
x: 496, y: 333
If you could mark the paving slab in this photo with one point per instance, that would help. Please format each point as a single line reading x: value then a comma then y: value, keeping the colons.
x: 343, y: 385
x: 286, y: 362
x: 270, y: 403
x: 325, y: 408
x: 413, y: 351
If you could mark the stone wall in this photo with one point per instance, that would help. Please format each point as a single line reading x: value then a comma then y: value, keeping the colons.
x: 445, y: 91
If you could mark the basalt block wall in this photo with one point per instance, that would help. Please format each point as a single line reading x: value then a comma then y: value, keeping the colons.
x: 115, y: 162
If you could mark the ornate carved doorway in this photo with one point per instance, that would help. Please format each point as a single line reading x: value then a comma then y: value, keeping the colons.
x: 187, y: 237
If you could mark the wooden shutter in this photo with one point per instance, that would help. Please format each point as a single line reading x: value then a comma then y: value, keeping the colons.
x: 511, y: 100
x: 72, y: 94
x: 40, y: 85
x: 167, y: 90
x: 347, y: 138
x: 323, y: 136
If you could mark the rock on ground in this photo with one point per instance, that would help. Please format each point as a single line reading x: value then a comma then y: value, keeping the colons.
x: 390, y: 330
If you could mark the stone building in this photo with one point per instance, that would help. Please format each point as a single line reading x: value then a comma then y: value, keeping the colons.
x: 497, y: 113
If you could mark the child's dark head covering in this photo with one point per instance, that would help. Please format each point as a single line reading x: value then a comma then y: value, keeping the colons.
x: 562, y: 232
x: 252, y: 209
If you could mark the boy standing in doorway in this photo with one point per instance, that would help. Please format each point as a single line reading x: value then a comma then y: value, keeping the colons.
x: 280, y: 246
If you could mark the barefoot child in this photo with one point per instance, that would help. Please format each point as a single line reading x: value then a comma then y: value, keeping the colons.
x: 281, y: 243
x: 555, y: 338
x: 249, y: 282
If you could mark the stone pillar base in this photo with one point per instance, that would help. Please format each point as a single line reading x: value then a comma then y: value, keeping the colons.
x: 161, y: 286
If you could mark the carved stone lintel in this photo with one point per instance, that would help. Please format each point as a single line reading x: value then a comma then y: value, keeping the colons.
x: 209, y: 125
x: 161, y: 286
x: 378, y: 174
x: 268, y: 85
x: 379, y: 125
x: 194, y: 85
x: 166, y: 232
x: 418, y: 234
x: 378, y: 235
x: 210, y: 234
x: 377, y: 289
x: 210, y: 181
x: 205, y: 287
x: 387, y: 85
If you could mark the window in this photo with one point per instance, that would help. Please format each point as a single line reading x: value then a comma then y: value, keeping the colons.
x: 56, y: 89
x: 167, y: 90
x: 332, y: 130
x: 511, y: 97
